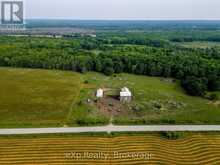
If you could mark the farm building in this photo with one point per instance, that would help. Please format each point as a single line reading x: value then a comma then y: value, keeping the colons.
x: 99, y: 93
x: 125, y: 95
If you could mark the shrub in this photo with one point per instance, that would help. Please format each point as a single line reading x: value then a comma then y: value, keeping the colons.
x: 108, y: 71
x: 86, y: 82
x: 157, y: 105
x: 194, y: 86
x: 169, y: 121
x: 173, y: 135
x: 213, y: 96
x: 80, y: 103
x: 89, y: 121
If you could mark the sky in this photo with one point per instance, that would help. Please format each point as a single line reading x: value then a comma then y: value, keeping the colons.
x: 124, y: 9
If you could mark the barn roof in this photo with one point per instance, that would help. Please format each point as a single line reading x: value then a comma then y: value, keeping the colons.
x: 125, y: 92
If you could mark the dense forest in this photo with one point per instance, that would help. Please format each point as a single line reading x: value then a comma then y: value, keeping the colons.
x: 141, y: 53
x: 122, y: 25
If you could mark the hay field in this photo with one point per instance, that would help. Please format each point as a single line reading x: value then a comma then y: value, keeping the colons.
x: 36, y: 98
x: 56, y: 150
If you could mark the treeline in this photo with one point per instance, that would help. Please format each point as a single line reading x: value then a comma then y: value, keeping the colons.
x: 197, y: 74
x: 192, y: 39
x: 138, y: 41
x: 91, y: 43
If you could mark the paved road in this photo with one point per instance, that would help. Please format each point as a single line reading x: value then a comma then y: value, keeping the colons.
x: 112, y: 128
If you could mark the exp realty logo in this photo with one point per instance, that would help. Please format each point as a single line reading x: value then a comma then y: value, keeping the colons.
x: 12, y: 14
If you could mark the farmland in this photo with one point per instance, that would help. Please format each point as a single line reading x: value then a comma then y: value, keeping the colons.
x: 36, y: 98
x: 156, y: 101
x: 42, y: 98
x: 165, y: 70
x: 61, y: 149
x: 202, y: 45
x: 49, y: 75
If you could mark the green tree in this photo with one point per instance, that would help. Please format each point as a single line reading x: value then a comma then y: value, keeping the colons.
x: 194, y: 86
x: 108, y: 66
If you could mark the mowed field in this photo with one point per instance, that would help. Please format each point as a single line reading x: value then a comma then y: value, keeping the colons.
x: 61, y: 150
x: 36, y: 98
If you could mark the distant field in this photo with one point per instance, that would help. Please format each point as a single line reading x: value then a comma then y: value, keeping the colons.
x: 35, y: 98
x: 42, y: 98
x: 200, y: 44
x: 193, y: 149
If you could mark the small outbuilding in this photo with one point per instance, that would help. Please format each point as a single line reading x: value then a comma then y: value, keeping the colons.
x: 125, y: 95
x: 99, y: 93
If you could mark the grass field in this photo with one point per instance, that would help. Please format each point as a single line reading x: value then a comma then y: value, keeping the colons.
x: 156, y: 100
x: 36, y: 98
x: 193, y: 149
x: 202, y: 45
x: 42, y: 98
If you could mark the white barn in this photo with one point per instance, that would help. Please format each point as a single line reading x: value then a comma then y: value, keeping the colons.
x: 99, y: 93
x: 125, y: 95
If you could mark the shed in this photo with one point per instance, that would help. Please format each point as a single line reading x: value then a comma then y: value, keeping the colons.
x: 99, y: 93
x: 125, y: 95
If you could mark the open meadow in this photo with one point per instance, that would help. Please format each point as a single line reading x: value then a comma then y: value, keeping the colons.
x: 102, y: 149
x: 42, y: 98
x: 36, y: 98
x: 202, y: 45
x: 155, y: 101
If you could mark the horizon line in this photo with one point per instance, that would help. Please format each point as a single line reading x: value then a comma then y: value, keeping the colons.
x: 74, y: 19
